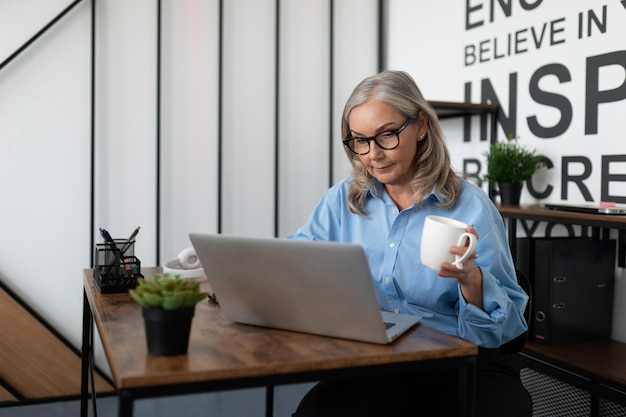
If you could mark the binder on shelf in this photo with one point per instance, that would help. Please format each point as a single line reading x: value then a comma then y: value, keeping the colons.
x: 573, y: 281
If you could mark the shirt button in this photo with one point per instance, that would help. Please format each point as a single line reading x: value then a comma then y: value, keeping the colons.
x: 396, y: 311
x: 387, y: 280
x: 392, y: 245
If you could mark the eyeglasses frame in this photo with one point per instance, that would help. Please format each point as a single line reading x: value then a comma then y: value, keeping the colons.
x: 373, y: 138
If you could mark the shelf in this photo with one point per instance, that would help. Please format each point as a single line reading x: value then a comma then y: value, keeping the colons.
x: 448, y: 109
x: 603, y: 360
x: 540, y: 213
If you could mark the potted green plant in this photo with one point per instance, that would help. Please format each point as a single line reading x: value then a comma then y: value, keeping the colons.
x: 509, y: 164
x: 168, y: 304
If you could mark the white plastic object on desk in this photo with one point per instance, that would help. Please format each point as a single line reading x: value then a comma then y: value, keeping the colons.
x: 187, y: 264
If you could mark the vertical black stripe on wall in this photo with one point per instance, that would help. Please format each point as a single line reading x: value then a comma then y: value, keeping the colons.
x: 220, y: 87
x: 382, y: 30
x: 277, y: 118
x: 331, y: 91
x: 269, y: 389
x: 86, y: 353
x: 92, y: 128
x: 158, y: 137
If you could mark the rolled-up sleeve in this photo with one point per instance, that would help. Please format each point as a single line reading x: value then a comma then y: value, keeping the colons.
x: 504, y: 301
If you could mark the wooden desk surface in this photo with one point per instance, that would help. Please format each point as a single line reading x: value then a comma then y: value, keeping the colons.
x: 536, y: 212
x: 220, y: 349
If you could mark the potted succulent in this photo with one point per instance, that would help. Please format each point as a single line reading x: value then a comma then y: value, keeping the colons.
x: 509, y: 164
x: 168, y: 304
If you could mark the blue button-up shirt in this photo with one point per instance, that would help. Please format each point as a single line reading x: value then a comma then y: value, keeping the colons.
x: 392, y: 240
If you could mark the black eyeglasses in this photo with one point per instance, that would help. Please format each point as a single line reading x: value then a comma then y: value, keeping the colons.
x: 387, y: 140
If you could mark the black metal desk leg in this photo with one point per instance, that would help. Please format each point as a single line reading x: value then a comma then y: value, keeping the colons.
x: 125, y: 405
x: 86, y: 363
x: 269, y: 400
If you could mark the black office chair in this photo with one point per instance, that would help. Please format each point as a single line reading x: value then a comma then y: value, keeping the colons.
x: 515, y: 345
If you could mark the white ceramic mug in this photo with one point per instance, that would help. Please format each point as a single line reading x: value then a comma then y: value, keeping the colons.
x: 438, y: 235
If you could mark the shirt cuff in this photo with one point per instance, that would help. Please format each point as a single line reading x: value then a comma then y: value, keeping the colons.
x: 492, y: 311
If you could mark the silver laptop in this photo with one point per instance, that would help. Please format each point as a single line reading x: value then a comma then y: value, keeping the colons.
x: 323, y: 288
x: 588, y: 208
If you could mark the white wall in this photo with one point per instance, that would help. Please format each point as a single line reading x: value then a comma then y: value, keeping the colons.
x: 189, y: 122
x: 45, y: 113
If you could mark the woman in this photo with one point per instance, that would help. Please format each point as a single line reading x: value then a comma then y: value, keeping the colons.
x: 402, y: 173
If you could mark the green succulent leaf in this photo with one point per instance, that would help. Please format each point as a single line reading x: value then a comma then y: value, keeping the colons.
x: 152, y: 300
x: 172, y: 302
x: 192, y: 299
x: 138, y: 298
x: 167, y: 291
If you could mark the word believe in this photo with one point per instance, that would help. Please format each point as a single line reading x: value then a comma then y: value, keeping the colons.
x: 515, y: 43
x: 549, y: 33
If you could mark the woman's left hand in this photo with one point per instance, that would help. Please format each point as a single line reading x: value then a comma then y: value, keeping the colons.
x: 470, y: 277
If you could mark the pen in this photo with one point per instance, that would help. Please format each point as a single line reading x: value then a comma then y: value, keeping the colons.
x: 106, y: 236
x: 130, y: 240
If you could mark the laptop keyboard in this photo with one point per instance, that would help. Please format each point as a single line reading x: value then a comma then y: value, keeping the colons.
x: 389, y: 325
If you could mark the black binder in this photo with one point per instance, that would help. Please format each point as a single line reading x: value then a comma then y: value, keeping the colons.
x: 572, y: 281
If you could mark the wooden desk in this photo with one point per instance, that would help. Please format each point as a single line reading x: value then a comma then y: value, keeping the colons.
x: 227, y: 355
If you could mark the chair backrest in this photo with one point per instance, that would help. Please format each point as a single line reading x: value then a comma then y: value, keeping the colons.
x: 516, y: 344
x: 524, y: 282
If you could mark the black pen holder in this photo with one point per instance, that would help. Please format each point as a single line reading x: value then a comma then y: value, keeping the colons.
x: 116, y: 268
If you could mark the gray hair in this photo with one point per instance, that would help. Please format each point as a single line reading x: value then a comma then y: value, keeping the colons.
x: 432, y: 161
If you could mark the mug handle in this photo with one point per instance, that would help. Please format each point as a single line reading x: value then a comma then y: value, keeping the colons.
x: 458, y: 261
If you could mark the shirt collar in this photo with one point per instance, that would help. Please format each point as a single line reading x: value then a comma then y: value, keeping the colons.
x: 377, y: 190
x: 432, y: 195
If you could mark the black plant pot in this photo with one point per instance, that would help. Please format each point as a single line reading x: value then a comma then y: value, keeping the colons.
x: 510, y: 193
x: 167, y: 331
